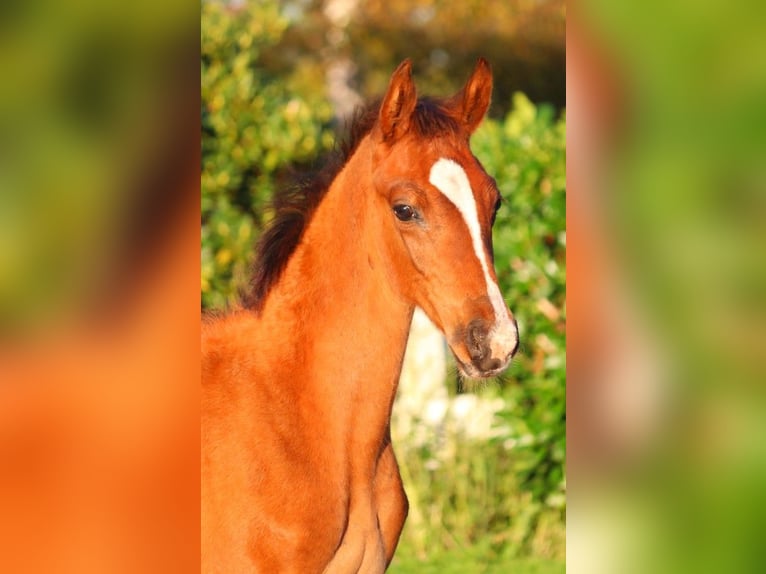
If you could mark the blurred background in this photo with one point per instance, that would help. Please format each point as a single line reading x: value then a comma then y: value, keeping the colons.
x: 99, y: 296
x: 666, y: 280
x: 484, y: 468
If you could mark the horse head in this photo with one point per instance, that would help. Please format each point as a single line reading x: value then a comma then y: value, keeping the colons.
x: 438, y: 207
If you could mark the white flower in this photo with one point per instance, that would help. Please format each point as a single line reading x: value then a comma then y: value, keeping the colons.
x: 435, y: 411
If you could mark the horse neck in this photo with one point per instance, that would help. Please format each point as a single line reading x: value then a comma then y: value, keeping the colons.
x: 335, y: 302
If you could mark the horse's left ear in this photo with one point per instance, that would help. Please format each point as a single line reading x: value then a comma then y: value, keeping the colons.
x: 472, y: 102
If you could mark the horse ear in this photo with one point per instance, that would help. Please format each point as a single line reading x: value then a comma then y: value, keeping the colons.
x: 472, y: 102
x: 398, y: 103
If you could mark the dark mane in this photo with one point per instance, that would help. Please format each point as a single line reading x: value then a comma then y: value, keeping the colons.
x: 294, y: 206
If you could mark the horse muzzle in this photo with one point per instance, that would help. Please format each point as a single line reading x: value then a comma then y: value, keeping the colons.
x: 490, y: 347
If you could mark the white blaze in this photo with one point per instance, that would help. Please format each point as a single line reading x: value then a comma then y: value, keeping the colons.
x: 450, y: 178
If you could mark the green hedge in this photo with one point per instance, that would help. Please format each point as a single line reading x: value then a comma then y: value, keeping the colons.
x: 254, y: 126
x: 526, y: 152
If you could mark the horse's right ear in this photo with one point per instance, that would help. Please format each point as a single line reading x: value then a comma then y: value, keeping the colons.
x: 398, y: 104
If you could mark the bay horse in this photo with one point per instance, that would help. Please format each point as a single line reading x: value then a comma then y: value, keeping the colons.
x: 298, y: 471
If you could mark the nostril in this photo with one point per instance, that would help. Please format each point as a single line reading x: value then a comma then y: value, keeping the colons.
x: 477, y: 337
x: 490, y: 364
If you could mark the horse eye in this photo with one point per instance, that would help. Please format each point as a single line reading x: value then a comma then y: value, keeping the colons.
x: 498, y: 203
x: 404, y: 212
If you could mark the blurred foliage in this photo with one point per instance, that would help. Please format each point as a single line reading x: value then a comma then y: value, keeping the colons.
x: 669, y: 212
x: 254, y: 126
x: 523, y: 40
x: 93, y: 104
x: 264, y: 115
x: 522, y: 37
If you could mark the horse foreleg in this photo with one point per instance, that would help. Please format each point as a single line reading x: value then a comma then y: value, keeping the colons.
x: 390, y: 499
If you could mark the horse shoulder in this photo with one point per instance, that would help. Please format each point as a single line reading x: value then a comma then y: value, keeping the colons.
x: 251, y: 450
